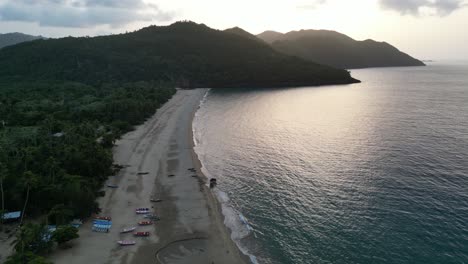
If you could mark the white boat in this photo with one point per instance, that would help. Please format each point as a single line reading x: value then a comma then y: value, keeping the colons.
x: 126, y: 242
x: 142, y: 210
x: 128, y: 230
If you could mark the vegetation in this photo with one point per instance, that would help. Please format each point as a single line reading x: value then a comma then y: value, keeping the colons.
x: 64, y: 234
x: 185, y: 53
x: 30, y: 243
x: 337, y: 50
x: 55, y: 142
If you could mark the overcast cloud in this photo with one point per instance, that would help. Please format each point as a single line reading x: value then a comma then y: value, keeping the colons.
x: 81, y: 13
x: 312, y: 4
x: 415, y: 7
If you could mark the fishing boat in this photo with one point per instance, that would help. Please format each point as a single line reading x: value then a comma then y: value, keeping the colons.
x: 152, y: 217
x: 141, y: 234
x: 106, y: 218
x: 145, y: 223
x: 155, y: 200
x: 142, y: 210
x: 126, y: 242
x: 128, y: 230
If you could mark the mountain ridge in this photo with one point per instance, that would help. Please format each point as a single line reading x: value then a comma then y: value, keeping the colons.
x: 13, y: 38
x: 337, y: 50
x: 186, y: 53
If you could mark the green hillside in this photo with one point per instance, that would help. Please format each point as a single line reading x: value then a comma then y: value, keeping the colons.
x: 185, y: 53
x: 338, y: 50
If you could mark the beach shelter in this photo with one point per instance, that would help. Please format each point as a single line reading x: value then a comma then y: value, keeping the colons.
x: 11, y: 217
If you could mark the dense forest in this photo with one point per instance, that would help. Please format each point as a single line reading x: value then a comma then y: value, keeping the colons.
x: 337, y: 50
x: 55, y: 141
x: 188, y: 54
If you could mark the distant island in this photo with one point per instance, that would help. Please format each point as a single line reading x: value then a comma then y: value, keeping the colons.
x: 188, y: 54
x: 9, y: 39
x: 337, y: 50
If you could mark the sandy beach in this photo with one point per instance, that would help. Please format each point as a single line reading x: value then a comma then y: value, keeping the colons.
x: 191, y: 228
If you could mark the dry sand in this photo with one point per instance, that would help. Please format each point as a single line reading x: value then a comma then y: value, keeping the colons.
x: 191, y: 228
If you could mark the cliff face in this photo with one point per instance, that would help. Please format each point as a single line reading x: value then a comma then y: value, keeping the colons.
x: 338, y: 50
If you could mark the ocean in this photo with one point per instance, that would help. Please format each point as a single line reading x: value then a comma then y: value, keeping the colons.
x: 375, y: 172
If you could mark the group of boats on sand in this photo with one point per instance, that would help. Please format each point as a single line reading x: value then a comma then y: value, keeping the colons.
x: 149, y: 216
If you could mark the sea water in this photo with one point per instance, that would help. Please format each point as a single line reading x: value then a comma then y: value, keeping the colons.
x: 375, y: 172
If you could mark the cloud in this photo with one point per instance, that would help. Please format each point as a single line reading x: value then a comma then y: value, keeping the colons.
x: 81, y: 13
x: 314, y: 4
x: 418, y: 7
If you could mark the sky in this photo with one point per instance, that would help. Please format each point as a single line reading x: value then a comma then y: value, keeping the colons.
x: 426, y: 29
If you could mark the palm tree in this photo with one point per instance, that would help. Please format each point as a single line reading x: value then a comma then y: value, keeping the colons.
x: 61, y: 213
x: 30, y: 180
x: 53, y: 166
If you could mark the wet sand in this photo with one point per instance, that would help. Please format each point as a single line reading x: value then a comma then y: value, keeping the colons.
x: 191, y: 228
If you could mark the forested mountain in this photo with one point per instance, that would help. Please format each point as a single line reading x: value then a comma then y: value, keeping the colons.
x: 186, y: 53
x: 270, y: 36
x: 338, y: 50
x: 240, y: 32
x: 9, y: 39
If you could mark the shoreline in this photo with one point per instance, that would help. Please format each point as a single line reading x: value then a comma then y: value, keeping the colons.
x: 213, y: 202
x: 191, y: 229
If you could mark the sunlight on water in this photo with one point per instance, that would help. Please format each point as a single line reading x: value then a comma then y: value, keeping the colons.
x: 366, y: 173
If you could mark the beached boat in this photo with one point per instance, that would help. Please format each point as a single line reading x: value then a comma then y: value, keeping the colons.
x: 141, y: 234
x: 107, y: 218
x: 151, y: 216
x: 128, y: 230
x: 155, y: 200
x: 142, y: 210
x: 126, y: 242
x: 145, y: 222
x: 113, y: 186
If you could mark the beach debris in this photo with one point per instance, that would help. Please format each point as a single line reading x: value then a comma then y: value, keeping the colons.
x: 155, y: 200
x: 143, y: 223
x: 142, y: 173
x: 141, y: 234
x: 128, y: 230
x: 113, y: 186
x: 213, y: 182
x: 126, y: 242
x: 142, y: 210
